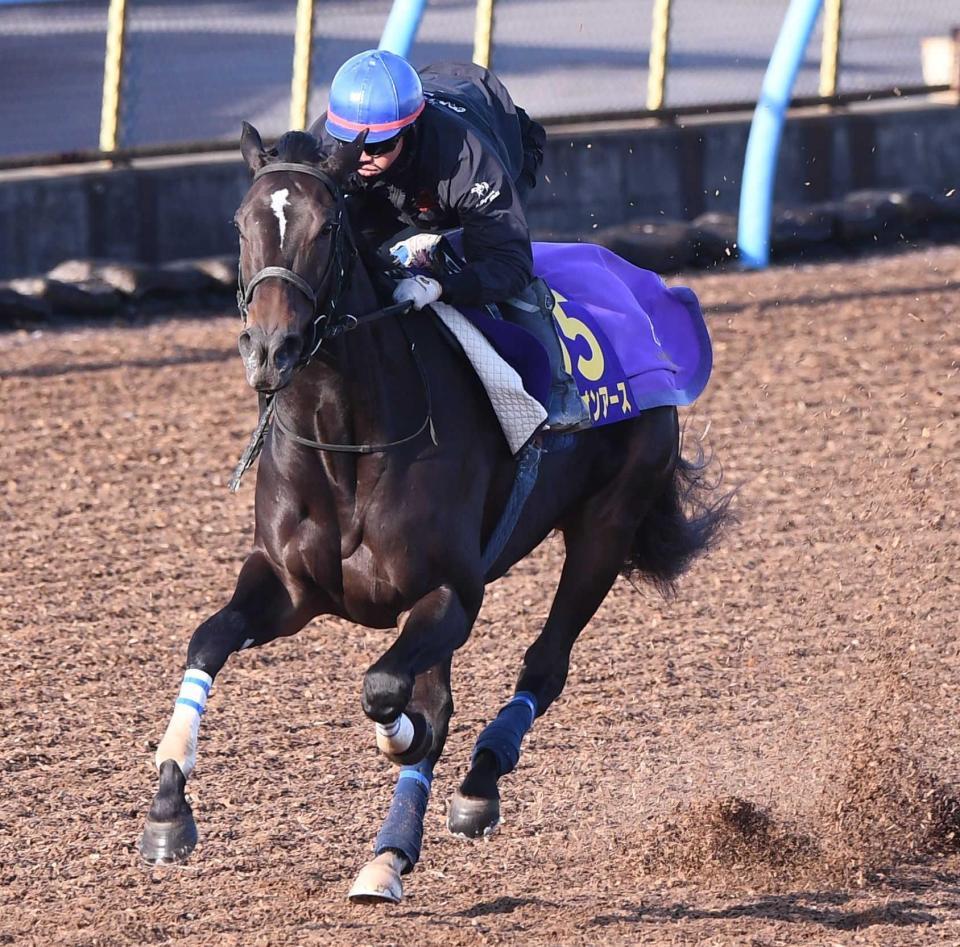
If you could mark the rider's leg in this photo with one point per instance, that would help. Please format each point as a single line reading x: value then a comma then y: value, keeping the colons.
x: 532, y: 309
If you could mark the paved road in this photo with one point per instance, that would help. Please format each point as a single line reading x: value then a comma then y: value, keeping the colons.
x: 196, y: 69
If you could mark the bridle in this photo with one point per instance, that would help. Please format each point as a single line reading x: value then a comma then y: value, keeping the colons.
x: 327, y: 321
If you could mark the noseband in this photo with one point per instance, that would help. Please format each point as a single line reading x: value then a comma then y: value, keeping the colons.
x: 326, y: 323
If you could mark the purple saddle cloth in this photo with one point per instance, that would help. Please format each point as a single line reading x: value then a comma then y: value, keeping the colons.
x: 631, y: 342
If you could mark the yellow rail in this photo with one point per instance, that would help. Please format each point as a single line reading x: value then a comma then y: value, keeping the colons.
x: 113, y: 75
x: 302, y: 65
x: 830, y: 50
x: 483, y: 33
x: 659, y: 48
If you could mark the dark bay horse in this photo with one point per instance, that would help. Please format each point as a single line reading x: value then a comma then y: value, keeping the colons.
x: 383, y: 474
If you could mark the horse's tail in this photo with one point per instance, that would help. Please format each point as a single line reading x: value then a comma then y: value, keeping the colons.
x: 684, y: 521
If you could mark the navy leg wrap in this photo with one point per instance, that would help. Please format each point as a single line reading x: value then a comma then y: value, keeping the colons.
x: 503, y: 735
x: 403, y: 827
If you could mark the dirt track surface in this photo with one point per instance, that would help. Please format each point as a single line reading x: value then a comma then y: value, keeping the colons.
x: 823, y: 625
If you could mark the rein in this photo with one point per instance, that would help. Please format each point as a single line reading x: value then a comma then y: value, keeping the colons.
x: 369, y: 448
x: 326, y: 325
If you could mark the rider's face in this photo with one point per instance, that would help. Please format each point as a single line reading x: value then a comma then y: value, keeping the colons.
x: 372, y: 165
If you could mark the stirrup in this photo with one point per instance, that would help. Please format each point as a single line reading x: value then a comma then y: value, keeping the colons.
x: 567, y: 414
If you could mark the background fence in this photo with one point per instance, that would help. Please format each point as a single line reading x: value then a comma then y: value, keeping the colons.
x: 194, y: 70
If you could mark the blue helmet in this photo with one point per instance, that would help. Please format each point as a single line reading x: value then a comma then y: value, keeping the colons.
x: 375, y: 89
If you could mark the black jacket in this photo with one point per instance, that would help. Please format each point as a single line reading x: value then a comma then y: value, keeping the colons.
x: 458, y: 168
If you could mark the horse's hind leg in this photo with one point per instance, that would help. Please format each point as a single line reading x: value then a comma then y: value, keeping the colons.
x: 261, y: 609
x: 397, y: 846
x: 598, y: 540
x: 589, y: 571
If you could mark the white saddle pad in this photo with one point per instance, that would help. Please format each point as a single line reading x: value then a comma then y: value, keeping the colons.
x: 519, y: 413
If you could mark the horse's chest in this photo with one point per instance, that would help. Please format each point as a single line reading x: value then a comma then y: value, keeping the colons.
x: 374, y: 583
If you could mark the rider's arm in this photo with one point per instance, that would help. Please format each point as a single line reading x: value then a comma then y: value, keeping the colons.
x: 496, y: 239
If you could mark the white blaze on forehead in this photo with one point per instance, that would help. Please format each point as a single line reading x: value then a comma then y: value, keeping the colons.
x: 278, y: 200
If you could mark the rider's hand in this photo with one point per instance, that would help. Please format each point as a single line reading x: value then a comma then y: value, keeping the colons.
x: 420, y: 290
x: 417, y: 250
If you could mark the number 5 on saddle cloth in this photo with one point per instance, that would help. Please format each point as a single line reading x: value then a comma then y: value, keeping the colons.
x: 533, y: 311
x: 630, y: 342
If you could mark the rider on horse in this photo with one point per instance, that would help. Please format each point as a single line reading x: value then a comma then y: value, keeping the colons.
x: 447, y: 148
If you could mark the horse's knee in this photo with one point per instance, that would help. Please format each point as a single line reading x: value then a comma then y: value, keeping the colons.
x: 385, y: 693
x: 544, y: 672
x: 216, y: 639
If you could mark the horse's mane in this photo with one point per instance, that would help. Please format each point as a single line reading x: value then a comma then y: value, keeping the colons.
x: 296, y: 148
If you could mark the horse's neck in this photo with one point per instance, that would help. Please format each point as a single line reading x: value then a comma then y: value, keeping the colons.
x: 366, y: 392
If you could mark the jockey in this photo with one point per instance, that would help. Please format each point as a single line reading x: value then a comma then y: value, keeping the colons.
x: 447, y: 148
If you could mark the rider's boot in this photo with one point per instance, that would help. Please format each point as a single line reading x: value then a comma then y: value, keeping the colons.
x: 532, y: 309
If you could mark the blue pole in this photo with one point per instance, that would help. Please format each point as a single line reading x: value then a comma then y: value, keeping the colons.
x: 763, y: 144
x: 402, y: 24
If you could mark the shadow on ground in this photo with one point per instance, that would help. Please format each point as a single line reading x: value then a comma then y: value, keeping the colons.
x: 830, y: 909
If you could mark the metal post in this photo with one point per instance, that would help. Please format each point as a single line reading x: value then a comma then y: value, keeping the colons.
x: 830, y: 50
x: 483, y: 33
x: 113, y: 75
x: 766, y: 129
x: 955, y: 74
x: 659, y: 50
x: 402, y: 25
x: 302, y: 64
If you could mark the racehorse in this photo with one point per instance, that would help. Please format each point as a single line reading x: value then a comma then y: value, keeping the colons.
x: 383, y: 475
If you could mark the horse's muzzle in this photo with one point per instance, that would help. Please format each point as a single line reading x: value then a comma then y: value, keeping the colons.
x: 269, y: 359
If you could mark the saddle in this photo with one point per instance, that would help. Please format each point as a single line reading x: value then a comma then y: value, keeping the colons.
x: 630, y: 341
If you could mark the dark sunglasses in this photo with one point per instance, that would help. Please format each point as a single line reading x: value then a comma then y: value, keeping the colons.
x: 377, y: 148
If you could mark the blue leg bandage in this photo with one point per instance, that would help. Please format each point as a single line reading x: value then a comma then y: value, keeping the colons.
x: 503, y: 735
x: 403, y: 827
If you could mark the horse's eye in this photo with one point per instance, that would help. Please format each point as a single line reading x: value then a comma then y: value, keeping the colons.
x: 326, y: 229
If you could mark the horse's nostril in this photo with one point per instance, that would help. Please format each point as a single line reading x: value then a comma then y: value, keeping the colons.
x: 287, y: 352
x: 245, y: 344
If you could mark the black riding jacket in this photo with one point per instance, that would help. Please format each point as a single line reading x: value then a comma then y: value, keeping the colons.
x: 457, y: 169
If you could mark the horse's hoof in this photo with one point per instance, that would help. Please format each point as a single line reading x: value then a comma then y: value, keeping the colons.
x: 472, y: 817
x: 420, y: 746
x: 379, y: 881
x: 166, y: 843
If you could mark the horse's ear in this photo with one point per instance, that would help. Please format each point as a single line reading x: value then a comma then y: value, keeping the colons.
x: 251, y: 147
x: 346, y: 159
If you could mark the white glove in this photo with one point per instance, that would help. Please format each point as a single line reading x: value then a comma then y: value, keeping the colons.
x: 419, y: 290
x: 416, y: 250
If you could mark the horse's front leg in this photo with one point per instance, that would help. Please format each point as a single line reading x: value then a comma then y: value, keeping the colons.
x: 407, y: 693
x: 261, y: 609
x: 431, y: 631
x: 397, y: 846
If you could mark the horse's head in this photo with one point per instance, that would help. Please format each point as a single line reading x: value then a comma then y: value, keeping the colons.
x: 293, y: 250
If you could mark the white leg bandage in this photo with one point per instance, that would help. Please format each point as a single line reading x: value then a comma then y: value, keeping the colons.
x: 396, y: 737
x: 179, y: 743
